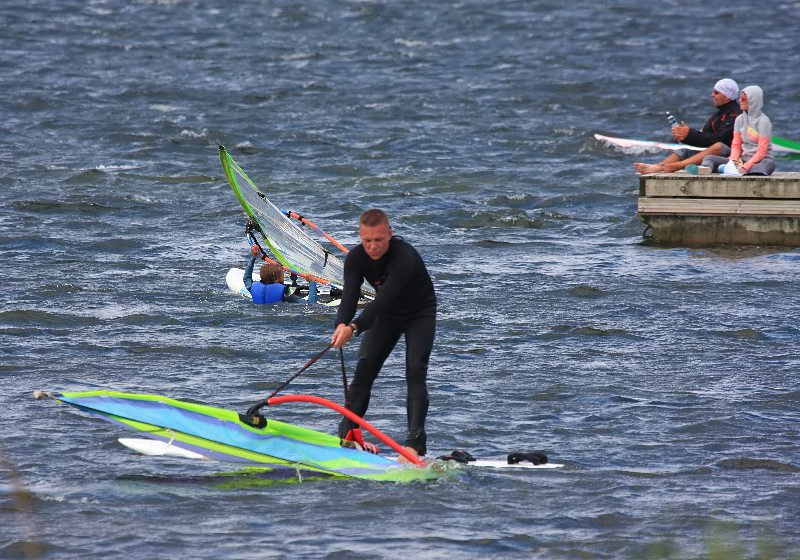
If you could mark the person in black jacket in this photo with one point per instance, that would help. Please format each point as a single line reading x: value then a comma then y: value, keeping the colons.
x: 716, y: 135
x: 405, y: 304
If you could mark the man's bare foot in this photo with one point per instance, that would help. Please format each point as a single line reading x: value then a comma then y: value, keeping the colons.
x: 645, y: 168
x: 411, y: 451
x: 673, y: 167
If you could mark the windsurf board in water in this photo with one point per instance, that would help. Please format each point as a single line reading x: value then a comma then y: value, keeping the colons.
x: 514, y: 460
x: 155, y: 448
x: 504, y: 464
x: 235, y: 281
x: 780, y: 146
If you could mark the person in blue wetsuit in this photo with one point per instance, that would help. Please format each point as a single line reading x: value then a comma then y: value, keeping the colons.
x: 405, y: 304
x: 271, y: 289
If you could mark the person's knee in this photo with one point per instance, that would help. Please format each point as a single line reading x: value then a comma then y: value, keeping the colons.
x: 678, y: 155
x: 416, y: 370
x: 418, y: 392
x: 366, y: 372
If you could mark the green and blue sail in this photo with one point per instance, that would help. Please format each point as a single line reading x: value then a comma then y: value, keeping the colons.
x: 221, y: 434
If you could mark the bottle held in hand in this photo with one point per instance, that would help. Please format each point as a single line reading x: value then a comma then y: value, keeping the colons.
x: 673, y: 122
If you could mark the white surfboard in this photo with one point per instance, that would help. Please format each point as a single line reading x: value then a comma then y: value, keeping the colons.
x: 780, y: 146
x: 154, y: 447
x: 235, y: 281
x: 631, y: 146
x: 503, y: 464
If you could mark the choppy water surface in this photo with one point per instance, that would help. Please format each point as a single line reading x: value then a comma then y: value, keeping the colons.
x: 664, y: 378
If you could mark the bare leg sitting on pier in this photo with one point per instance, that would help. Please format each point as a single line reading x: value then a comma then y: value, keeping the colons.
x: 679, y: 159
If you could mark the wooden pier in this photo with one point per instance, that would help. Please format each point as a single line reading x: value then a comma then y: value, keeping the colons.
x: 694, y: 210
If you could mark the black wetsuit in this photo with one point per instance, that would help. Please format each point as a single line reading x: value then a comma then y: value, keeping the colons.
x: 405, y: 304
x: 718, y: 128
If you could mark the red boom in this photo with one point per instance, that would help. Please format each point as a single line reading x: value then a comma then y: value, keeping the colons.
x: 354, y: 417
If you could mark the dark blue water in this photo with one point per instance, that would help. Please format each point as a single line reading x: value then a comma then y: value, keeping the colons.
x: 664, y: 378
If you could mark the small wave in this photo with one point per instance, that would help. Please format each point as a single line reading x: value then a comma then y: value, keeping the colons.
x: 116, y: 245
x: 248, y: 148
x: 745, y: 463
x: 300, y: 56
x: 186, y: 133
x: 191, y: 179
x: 492, y: 243
x: 94, y: 173
x: 86, y: 176
x: 585, y: 291
x: 505, y: 219
x: 343, y: 170
x: 641, y: 474
x: 625, y: 400
x: 410, y: 43
x: 742, y: 334
x: 549, y: 396
x: 54, y: 290
x: 68, y: 207
x: 33, y: 317
x: 146, y: 319
x: 516, y: 201
x: 563, y: 331
x: 164, y: 107
x: 116, y: 167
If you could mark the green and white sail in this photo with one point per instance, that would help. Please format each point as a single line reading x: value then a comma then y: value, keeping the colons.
x: 288, y: 243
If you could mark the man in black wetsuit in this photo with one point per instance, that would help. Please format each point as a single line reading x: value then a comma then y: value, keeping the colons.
x: 405, y: 304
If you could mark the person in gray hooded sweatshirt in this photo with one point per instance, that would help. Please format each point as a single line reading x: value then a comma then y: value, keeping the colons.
x: 751, y: 150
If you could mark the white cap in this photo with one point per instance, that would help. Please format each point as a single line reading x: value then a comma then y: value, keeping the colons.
x: 728, y: 88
